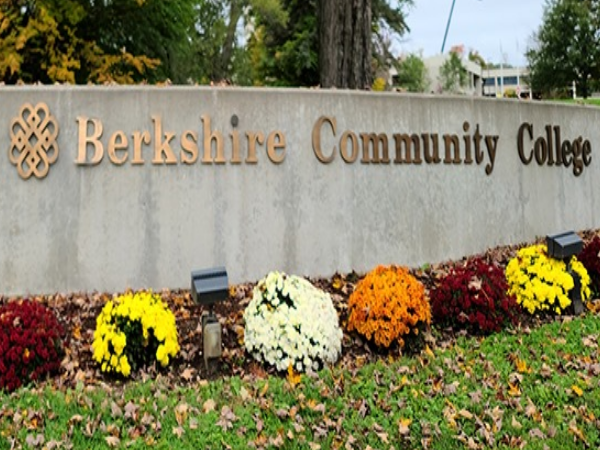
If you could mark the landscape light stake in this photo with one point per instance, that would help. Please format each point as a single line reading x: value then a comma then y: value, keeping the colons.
x: 564, y: 246
x: 208, y: 287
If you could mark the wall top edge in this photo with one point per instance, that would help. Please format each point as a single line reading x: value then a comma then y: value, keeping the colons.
x: 287, y: 91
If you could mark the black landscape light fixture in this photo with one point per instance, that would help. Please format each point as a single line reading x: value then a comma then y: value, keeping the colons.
x: 563, y: 246
x: 208, y: 287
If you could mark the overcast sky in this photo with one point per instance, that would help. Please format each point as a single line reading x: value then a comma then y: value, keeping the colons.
x: 492, y: 27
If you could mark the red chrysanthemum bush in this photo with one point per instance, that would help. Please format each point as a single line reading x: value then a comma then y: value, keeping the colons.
x: 31, y: 343
x: 590, y: 258
x: 474, y: 297
x: 389, y: 307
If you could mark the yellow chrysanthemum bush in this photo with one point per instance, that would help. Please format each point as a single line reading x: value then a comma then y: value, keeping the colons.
x: 134, y: 330
x: 389, y: 307
x: 541, y: 283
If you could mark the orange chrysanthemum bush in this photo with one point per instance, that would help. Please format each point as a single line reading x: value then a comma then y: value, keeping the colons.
x: 389, y: 307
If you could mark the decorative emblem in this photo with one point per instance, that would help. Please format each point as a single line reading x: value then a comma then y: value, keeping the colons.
x: 33, y: 146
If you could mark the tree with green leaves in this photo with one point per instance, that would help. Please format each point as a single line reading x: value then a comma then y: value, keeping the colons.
x: 566, y: 48
x: 412, y: 74
x: 328, y: 42
x: 453, y: 75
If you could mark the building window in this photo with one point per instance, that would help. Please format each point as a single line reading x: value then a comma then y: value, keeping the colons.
x: 509, y: 80
x: 489, y: 81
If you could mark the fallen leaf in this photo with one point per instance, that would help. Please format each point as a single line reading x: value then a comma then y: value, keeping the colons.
x: 384, y: 437
x: 244, y: 394
x: 115, y: 410
x: 131, y: 411
x: 209, y: 405
x: 112, y: 441
x: 537, y: 433
x: 404, y: 426
x: 515, y: 423
x: 451, y: 388
x: 428, y: 352
x: 576, y: 431
x: 514, y: 390
x: 36, y: 441
x: 178, y: 431
x: 475, y: 396
x: 521, y: 365
x: 577, y: 390
x: 293, y: 377
x: 466, y: 414
x: 475, y: 283
x: 188, y: 374
x: 227, y: 418
x: 181, y: 412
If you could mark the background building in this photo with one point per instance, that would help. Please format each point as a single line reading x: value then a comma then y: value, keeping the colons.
x: 504, y: 82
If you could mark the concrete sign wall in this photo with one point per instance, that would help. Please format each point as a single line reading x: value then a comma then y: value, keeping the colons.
x: 131, y: 187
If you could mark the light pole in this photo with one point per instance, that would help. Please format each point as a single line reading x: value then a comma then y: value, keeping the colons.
x: 448, y: 25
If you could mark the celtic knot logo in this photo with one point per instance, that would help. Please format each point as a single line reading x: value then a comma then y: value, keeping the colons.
x: 33, y: 146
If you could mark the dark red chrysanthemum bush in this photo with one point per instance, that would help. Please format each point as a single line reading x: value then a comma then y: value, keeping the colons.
x: 31, y: 343
x: 590, y: 258
x: 473, y: 297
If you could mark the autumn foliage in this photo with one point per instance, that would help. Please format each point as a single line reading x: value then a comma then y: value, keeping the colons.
x: 46, y: 41
x: 31, y: 343
x: 388, y: 306
x: 590, y: 258
x: 473, y: 297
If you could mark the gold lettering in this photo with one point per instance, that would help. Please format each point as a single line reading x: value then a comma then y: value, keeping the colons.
x: 235, y: 148
x: 84, y: 140
x: 521, y: 145
x: 117, y: 142
x: 138, y: 140
x: 344, y: 147
x: 451, y: 139
x: 275, y: 141
x: 375, y: 140
x: 162, y: 148
x: 253, y: 138
x: 407, y: 141
x: 316, y: 138
x: 189, y: 147
x: 209, y: 137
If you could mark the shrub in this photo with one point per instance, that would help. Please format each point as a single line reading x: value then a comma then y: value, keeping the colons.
x: 291, y: 323
x: 388, y: 306
x: 590, y: 258
x: 473, y: 297
x: 379, y: 84
x: 31, y: 343
x: 134, y: 331
x: 541, y: 283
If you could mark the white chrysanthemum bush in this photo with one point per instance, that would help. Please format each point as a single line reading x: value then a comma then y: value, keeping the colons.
x: 291, y: 323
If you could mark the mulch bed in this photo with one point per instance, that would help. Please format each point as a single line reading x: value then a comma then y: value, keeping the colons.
x: 78, y: 312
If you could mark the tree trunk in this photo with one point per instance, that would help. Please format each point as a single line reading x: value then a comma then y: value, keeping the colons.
x: 223, y: 67
x: 345, y: 44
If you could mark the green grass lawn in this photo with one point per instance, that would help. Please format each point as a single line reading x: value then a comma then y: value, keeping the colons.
x: 538, y: 388
x: 580, y: 101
